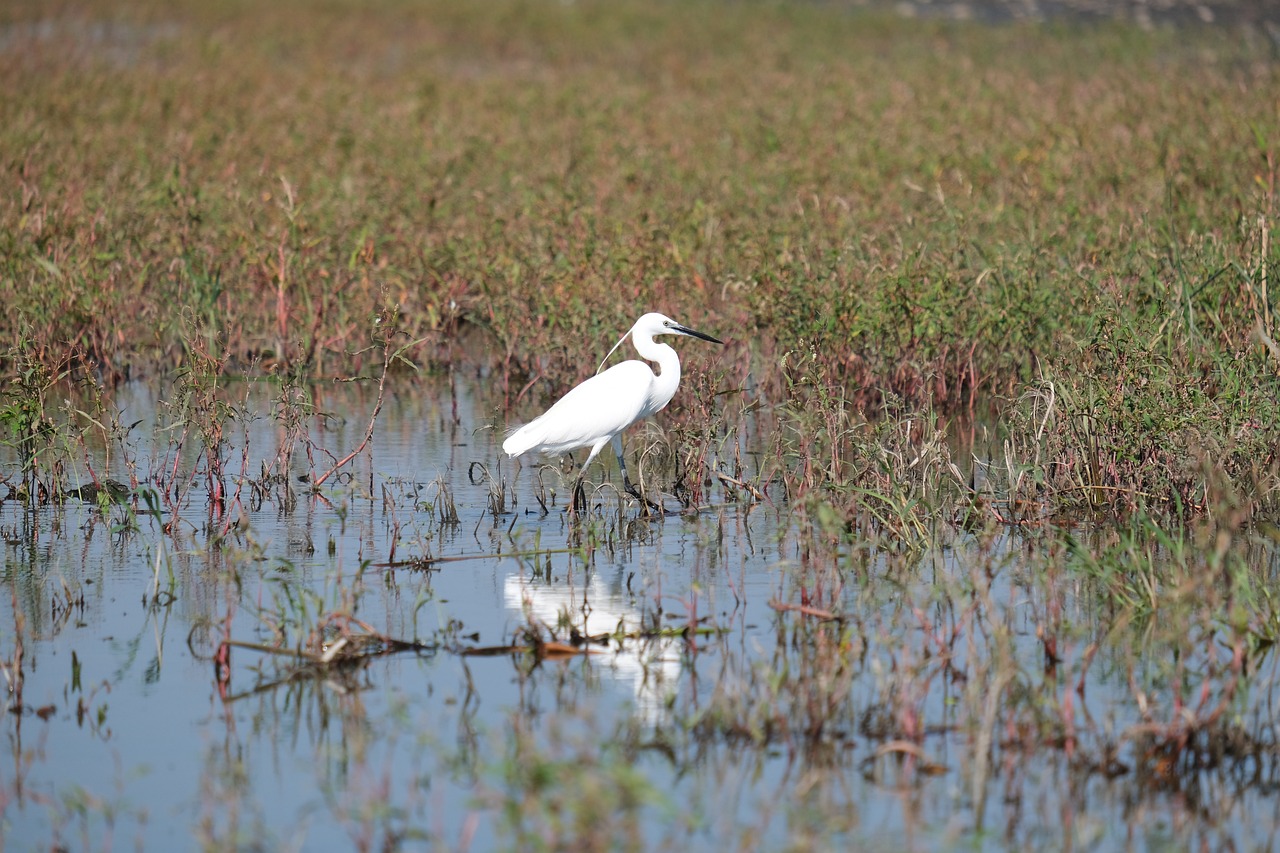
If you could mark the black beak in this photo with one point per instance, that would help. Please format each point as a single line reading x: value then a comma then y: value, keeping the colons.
x: 692, y: 333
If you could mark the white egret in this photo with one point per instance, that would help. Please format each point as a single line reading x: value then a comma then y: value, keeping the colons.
x: 597, y: 411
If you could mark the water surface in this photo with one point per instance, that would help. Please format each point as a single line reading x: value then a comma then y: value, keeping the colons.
x: 727, y: 710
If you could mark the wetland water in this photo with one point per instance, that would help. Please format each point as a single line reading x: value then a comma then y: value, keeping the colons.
x: 765, y: 687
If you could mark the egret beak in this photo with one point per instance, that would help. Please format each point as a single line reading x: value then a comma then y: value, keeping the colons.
x: 684, y: 330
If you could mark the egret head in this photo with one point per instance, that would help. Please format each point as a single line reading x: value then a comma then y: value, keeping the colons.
x: 643, y: 332
x: 660, y: 324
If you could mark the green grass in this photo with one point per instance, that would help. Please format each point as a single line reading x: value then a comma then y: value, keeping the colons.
x: 943, y: 215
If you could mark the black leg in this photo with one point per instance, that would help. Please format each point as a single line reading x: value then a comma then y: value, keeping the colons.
x: 632, y: 490
x: 630, y: 487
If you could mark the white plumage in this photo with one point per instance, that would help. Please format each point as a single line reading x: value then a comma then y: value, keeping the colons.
x: 597, y: 412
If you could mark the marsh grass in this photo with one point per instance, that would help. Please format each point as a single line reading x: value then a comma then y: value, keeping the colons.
x: 1052, y: 211
x: 892, y: 675
x: 1026, y: 241
x: 28, y: 415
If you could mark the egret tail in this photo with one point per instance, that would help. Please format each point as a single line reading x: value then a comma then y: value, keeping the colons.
x: 520, y: 440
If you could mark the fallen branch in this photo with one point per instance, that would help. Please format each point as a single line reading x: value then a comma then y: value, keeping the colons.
x: 552, y: 650
x: 733, y: 481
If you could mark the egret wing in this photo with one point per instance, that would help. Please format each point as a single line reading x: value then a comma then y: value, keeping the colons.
x: 599, y: 408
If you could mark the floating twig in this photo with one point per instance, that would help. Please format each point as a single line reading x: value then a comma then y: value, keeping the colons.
x: 424, y: 562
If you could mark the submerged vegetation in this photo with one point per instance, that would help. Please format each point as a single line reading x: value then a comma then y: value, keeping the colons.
x: 983, y: 489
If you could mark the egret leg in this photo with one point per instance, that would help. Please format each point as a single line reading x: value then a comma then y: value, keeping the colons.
x: 629, y: 487
x: 579, y: 500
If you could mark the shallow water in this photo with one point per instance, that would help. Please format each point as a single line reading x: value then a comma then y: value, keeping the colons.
x: 763, y: 725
